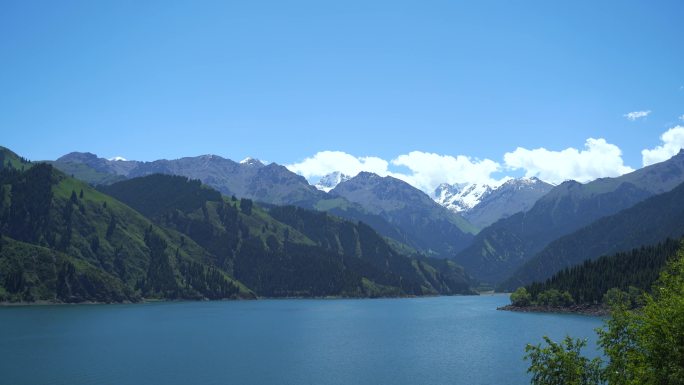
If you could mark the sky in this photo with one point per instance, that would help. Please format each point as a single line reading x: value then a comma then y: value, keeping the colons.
x: 439, y: 91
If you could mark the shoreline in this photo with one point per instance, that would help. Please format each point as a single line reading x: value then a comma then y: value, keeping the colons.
x: 588, y: 310
x: 158, y: 300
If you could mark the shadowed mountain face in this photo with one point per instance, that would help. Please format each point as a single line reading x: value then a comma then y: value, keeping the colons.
x: 433, y: 227
x: 501, y: 248
x: 646, y: 223
x: 286, y: 250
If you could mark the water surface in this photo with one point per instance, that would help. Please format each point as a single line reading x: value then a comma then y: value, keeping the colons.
x: 441, y: 340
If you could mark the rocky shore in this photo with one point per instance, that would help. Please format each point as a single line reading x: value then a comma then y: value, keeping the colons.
x: 590, y: 310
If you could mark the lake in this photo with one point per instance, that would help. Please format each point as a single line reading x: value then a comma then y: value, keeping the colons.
x: 417, y: 341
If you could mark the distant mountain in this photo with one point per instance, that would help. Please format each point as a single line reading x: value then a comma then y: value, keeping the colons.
x: 646, y: 223
x: 250, y: 178
x: 513, y: 196
x: 482, y: 204
x: 461, y: 197
x: 328, y: 182
x: 433, y: 228
x: 498, y: 250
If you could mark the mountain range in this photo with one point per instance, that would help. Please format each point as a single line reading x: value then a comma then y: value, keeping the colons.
x: 498, y: 250
x: 440, y: 231
x: 164, y: 236
x: 482, y: 204
x: 275, y: 184
x: 646, y: 223
x: 505, y: 235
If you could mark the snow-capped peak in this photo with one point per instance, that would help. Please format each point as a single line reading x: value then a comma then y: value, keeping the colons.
x: 461, y: 196
x: 328, y: 182
x: 251, y: 161
x: 118, y: 158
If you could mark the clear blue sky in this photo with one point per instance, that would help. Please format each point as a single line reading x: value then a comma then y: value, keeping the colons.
x: 283, y: 80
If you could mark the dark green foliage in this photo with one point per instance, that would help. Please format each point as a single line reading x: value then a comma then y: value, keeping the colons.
x: 246, y: 206
x: 554, y: 298
x: 289, y: 251
x: 111, y: 226
x: 520, y: 297
x: 562, y: 363
x: 643, y: 346
x: 84, y: 256
x: 31, y: 273
x: 160, y: 280
x: 156, y: 194
x: 588, y: 283
x: 618, y: 340
x: 352, y: 242
x: 27, y: 217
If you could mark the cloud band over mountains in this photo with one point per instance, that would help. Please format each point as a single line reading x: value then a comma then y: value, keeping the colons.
x: 427, y: 170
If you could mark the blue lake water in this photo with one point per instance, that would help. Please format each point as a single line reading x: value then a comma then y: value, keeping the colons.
x: 417, y: 341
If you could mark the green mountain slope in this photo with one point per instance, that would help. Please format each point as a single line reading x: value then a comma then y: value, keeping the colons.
x: 646, y: 223
x: 101, y: 250
x: 285, y: 250
x: 498, y: 250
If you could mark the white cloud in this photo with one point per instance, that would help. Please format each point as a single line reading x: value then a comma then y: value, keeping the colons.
x: 325, y: 162
x: 598, y: 159
x: 634, y: 115
x: 681, y: 118
x: 673, y: 141
x: 117, y: 158
x: 428, y: 170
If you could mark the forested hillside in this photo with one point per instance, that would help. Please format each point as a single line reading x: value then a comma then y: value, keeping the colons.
x: 285, y: 250
x: 64, y: 241
x: 587, y: 283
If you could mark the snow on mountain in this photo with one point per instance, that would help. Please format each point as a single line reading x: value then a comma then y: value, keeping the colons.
x: 328, y: 182
x: 461, y: 197
x: 252, y: 162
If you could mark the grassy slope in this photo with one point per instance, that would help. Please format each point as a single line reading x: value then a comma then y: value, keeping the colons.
x: 122, y: 257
